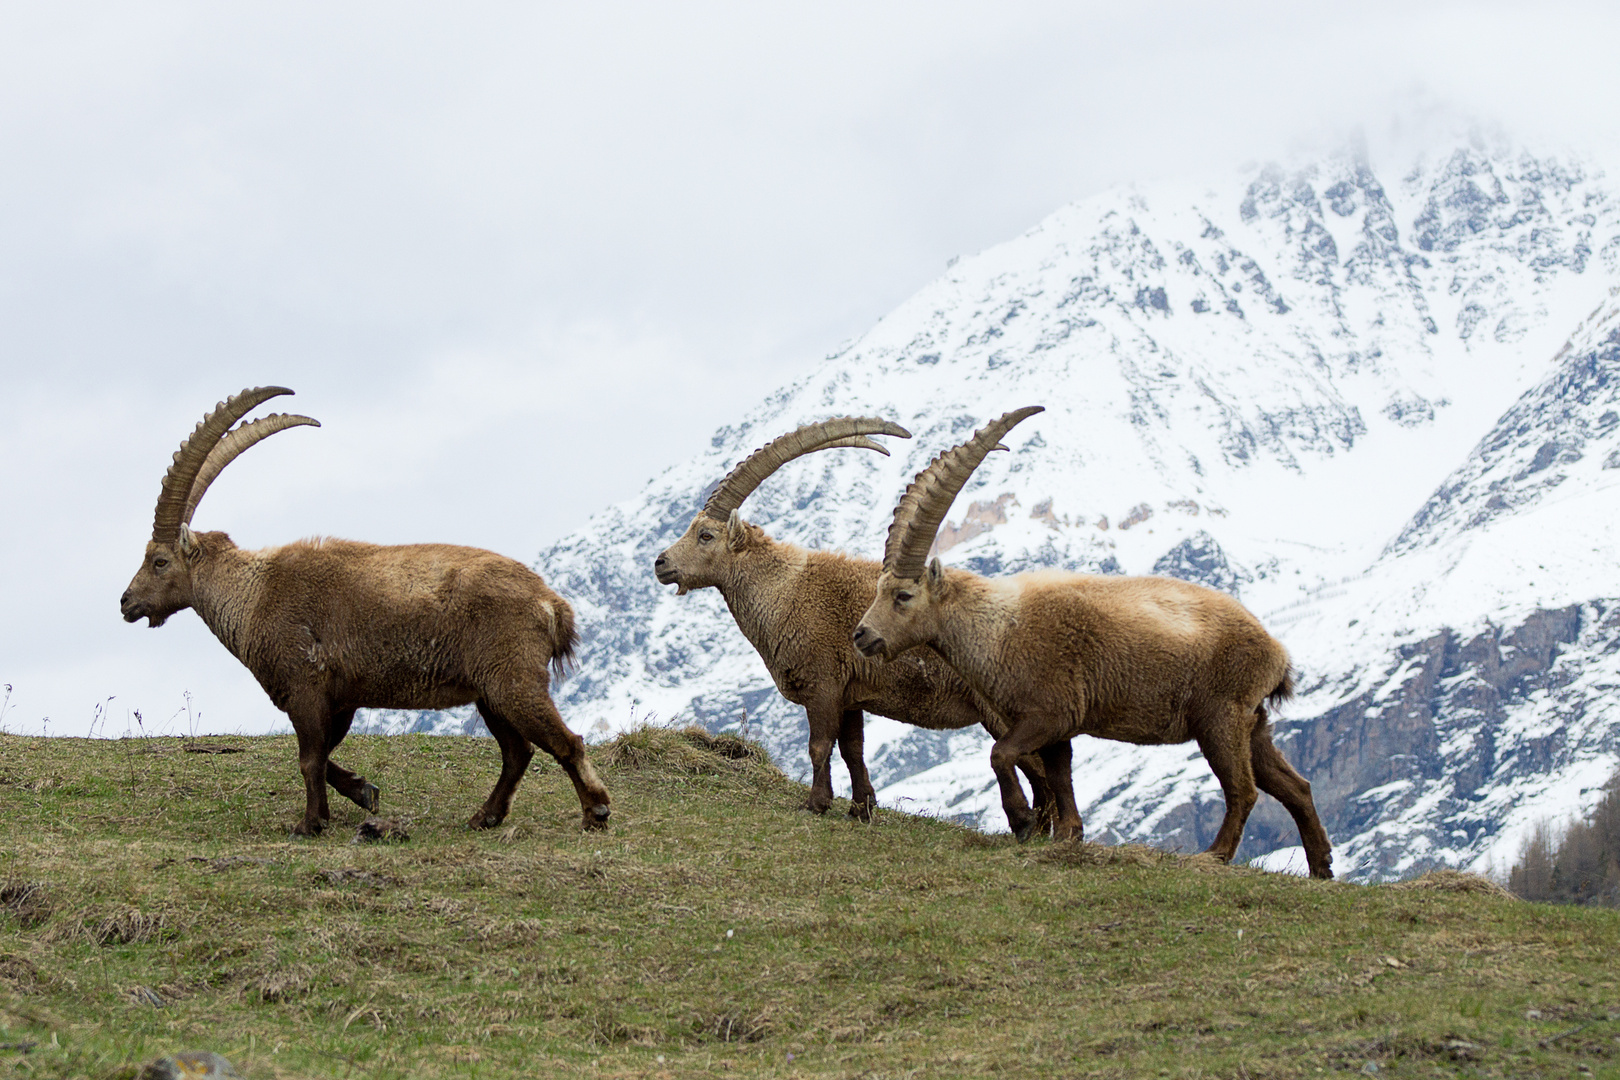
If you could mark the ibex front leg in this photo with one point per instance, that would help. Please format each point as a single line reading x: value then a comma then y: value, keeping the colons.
x: 357, y: 789
x: 1016, y: 745
x: 309, y: 721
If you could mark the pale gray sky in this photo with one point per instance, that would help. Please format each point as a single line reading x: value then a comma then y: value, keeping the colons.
x: 518, y: 258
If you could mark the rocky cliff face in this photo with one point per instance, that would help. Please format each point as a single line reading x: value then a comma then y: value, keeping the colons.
x: 1276, y: 386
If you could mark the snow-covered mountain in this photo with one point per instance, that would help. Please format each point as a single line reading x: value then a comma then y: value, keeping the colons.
x: 1276, y: 385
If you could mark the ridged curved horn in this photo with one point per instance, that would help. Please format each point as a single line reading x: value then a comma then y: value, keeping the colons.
x: 741, y: 481
x: 923, y: 506
x: 232, y: 445
x: 193, y: 452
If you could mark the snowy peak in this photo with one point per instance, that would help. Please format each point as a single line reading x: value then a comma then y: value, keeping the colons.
x: 1566, y: 428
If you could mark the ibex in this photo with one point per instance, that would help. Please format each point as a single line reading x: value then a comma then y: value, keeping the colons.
x: 798, y: 608
x: 1143, y: 660
x: 331, y: 626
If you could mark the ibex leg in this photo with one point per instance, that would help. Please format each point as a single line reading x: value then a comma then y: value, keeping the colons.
x: 1019, y: 742
x: 516, y: 753
x: 826, y: 720
x: 357, y: 789
x: 1227, y: 749
x: 1278, y: 779
x: 530, y: 710
x: 309, y: 723
x: 1040, y: 795
x: 852, y: 745
x: 1058, y: 758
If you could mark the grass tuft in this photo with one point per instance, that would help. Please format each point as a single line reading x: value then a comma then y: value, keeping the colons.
x: 690, y: 750
x: 1456, y: 881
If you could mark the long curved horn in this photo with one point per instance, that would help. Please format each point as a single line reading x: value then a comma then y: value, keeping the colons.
x: 923, y: 506
x: 741, y: 481
x: 193, y: 452
x: 231, y: 446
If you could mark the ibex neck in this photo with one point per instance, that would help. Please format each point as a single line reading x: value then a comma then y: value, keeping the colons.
x: 759, y: 591
x: 226, y: 582
x: 970, y: 639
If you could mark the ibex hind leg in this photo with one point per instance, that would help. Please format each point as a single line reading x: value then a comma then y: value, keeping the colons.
x: 516, y: 753
x: 1278, y: 779
x: 852, y: 745
x: 530, y: 710
x: 357, y: 789
x: 1225, y: 744
x: 1059, y: 783
x: 826, y: 720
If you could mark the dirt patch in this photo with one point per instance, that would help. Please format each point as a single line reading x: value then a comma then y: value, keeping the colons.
x: 27, y: 902
x: 378, y: 830
x: 352, y: 876
x: 19, y: 973
x: 229, y: 862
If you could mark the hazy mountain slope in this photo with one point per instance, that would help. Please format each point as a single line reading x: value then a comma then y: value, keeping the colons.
x: 1253, y: 385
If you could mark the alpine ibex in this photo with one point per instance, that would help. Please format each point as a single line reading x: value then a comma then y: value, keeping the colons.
x: 1144, y: 660
x: 331, y: 626
x: 798, y: 608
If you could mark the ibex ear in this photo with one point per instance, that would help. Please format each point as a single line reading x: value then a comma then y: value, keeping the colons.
x: 188, y: 542
x: 936, y: 573
x: 736, y: 531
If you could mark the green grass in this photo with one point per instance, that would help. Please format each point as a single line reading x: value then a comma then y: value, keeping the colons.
x: 715, y: 930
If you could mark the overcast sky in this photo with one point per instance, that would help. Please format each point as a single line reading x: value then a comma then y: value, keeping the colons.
x: 519, y: 258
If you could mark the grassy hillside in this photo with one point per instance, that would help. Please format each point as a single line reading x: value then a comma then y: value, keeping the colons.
x: 715, y: 930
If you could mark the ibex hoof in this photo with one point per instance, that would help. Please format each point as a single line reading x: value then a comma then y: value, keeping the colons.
x: 483, y: 820
x: 597, y: 817
x: 308, y: 828
x: 862, y: 811
x: 370, y: 798
x: 815, y: 806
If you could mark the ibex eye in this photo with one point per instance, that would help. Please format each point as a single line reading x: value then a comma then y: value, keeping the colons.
x: 706, y: 537
x: 158, y: 564
x: 903, y: 597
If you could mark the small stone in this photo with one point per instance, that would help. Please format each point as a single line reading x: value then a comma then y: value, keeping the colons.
x: 1533, y: 1014
x: 193, y: 1065
x: 1371, y: 1068
x: 145, y: 995
x: 385, y: 830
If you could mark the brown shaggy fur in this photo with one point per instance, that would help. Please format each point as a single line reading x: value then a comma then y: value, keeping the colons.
x: 331, y: 626
x: 798, y: 609
x: 1141, y: 660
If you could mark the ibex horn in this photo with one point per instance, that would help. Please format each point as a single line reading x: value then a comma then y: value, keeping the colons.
x: 822, y: 435
x: 193, y: 452
x: 232, y: 445
x: 923, y: 506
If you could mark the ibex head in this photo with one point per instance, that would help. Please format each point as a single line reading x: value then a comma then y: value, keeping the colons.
x: 699, y: 559
x: 904, y: 614
x: 162, y: 586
